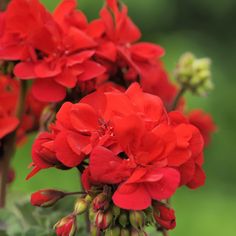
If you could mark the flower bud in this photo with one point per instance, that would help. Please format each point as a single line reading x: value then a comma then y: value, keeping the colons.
x: 66, y: 226
x: 115, y: 211
x: 137, y: 219
x: 94, y: 231
x: 81, y: 206
x: 164, y: 215
x: 124, y: 232
x: 101, y: 202
x: 46, y: 197
x: 92, y: 214
x: 123, y: 219
x: 103, y: 219
x: 194, y: 74
x: 115, y: 231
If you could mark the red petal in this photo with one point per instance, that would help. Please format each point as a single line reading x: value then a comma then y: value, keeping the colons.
x: 91, y: 71
x: 7, y: 125
x: 146, y: 51
x: 63, y: 115
x: 46, y: 90
x: 106, y: 167
x: 79, y: 143
x: 25, y: 70
x: 64, y: 9
x: 45, y: 70
x: 84, y: 118
x: 35, y: 170
x: 186, y: 171
x: 132, y: 197
x: 165, y: 187
x: 128, y: 131
x: 97, y: 100
x: 67, y: 78
x: 179, y: 157
x: 64, y: 152
x: 96, y: 28
x: 198, y: 179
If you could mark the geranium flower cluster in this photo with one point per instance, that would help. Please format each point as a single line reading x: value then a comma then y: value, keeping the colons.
x: 103, y: 104
x: 126, y: 141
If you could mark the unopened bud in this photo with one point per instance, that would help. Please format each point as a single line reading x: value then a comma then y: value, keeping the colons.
x: 137, y: 219
x: 66, y: 226
x: 94, y: 231
x: 194, y: 74
x: 81, y: 206
x: 125, y: 232
x: 46, y: 197
x: 115, y: 211
x: 123, y: 219
x: 115, y: 231
x: 164, y: 215
x: 103, y: 219
x: 101, y: 202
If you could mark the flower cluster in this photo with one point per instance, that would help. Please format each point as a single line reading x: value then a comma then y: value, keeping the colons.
x: 126, y: 141
x: 103, y: 104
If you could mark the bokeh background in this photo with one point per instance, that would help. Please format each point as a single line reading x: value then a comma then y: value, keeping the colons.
x: 207, y: 28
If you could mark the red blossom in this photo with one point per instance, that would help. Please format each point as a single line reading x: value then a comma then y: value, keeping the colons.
x: 52, y: 49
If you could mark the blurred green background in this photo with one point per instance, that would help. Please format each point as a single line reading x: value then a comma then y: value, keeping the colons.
x: 207, y: 28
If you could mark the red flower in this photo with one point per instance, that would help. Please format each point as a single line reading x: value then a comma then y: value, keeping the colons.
x: 54, y: 50
x: 204, y: 123
x: 46, y: 197
x: 140, y: 126
x: 164, y: 216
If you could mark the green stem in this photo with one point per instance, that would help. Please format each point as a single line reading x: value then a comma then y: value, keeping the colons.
x: 75, y: 193
x: 177, y: 98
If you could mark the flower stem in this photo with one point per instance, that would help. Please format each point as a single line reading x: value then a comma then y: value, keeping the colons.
x: 74, y: 193
x: 8, y: 150
x: 177, y: 98
x: 165, y: 232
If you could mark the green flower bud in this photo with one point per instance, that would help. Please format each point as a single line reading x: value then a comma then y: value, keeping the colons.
x: 137, y: 219
x: 115, y: 211
x: 81, y: 206
x: 92, y: 214
x: 125, y: 232
x: 94, y: 231
x: 123, y: 219
x: 115, y: 231
x: 194, y: 74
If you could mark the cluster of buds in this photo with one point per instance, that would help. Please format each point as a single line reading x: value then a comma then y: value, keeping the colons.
x: 194, y: 74
x: 110, y: 220
x: 105, y: 217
